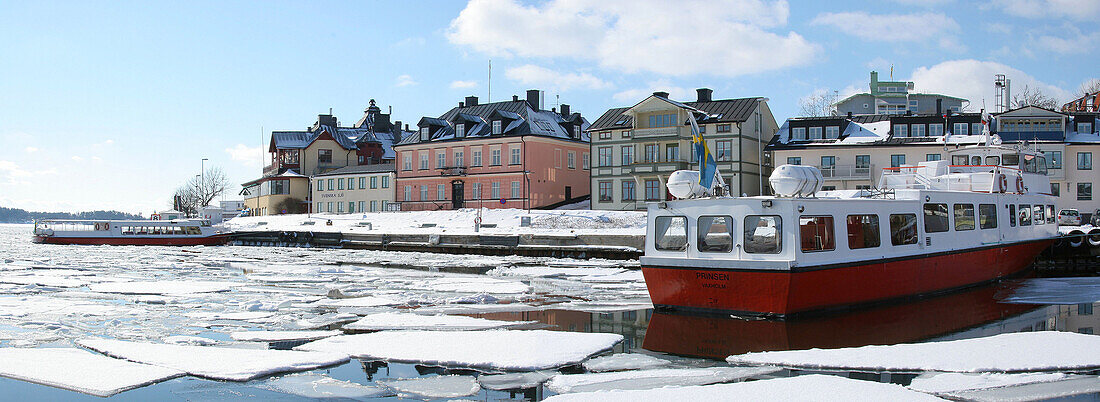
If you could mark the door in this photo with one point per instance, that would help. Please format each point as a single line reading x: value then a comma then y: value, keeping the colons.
x: 568, y: 193
x: 457, y: 194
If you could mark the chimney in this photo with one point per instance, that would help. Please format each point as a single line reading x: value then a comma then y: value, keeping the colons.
x: 471, y: 101
x: 874, y: 79
x: 533, y: 98
x: 564, y: 110
x: 406, y: 127
x: 661, y: 94
x: 397, y: 126
x: 326, y: 120
x: 939, y: 107
x: 704, y: 94
x: 397, y: 133
x: 515, y: 98
x: 461, y: 104
x: 849, y: 115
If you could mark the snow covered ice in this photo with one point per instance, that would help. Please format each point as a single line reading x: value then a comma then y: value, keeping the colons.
x: 320, y: 386
x: 79, y: 370
x: 624, y: 361
x: 648, y: 379
x: 447, y: 386
x: 800, y: 388
x: 410, y: 321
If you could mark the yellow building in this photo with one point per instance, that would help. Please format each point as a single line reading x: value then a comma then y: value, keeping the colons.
x: 354, y: 189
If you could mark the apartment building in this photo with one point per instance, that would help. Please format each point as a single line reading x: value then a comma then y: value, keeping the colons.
x: 354, y: 189
x: 636, y: 148
x: 896, y: 97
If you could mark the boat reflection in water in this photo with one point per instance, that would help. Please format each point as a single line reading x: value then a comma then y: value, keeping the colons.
x: 718, y: 337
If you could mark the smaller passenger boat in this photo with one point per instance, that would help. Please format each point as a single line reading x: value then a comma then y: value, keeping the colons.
x: 179, y: 232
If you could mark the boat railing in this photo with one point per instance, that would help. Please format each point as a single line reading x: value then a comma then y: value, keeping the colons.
x: 976, y: 178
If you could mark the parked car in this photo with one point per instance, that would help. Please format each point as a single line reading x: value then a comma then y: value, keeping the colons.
x: 1069, y: 217
x: 1096, y: 218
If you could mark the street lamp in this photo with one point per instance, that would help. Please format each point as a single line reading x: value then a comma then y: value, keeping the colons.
x: 202, y: 178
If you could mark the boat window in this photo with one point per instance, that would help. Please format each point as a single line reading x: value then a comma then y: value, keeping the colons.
x: 1012, y: 160
x: 816, y: 233
x: 935, y: 218
x: 671, y: 233
x: 1025, y: 215
x: 763, y: 234
x: 715, y: 234
x: 964, y: 216
x: 959, y: 160
x: 862, y: 231
x: 1041, y: 164
x: 1012, y: 215
x: 987, y: 216
x: 194, y: 230
x: 1037, y: 214
x: 993, y: 160
x: 976, y: 160
x: 1029, y: 164
x: 1050, y: 214
x: 903, y: 229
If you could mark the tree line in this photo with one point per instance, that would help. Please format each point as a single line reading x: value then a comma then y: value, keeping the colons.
x: 16, y: 215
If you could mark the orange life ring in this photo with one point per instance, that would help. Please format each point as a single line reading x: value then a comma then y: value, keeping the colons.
x: 1019, y: 184
x: 1004, y: 183
x: 155, y: 217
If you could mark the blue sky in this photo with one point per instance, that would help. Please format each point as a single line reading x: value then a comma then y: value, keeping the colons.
x: 112, y: 105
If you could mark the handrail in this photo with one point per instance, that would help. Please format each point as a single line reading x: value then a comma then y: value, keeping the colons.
x: 953, y: 166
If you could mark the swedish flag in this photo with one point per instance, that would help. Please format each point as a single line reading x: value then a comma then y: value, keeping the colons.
x: 702, y: 154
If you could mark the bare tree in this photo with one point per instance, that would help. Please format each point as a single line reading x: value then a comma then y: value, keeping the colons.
x: 200, y: 191
x: 1033, y: 97
x: 1089, y: 87
x: 817, y: 104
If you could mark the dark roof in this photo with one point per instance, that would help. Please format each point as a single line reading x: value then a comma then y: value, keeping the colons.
x: 719, y: 111
x: 525, y: 120
x: 375, y: 168
x: 612, y: 118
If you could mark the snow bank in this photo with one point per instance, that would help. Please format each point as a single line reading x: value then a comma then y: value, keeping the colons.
x: 409, y: 321
x: 215, y: 362
x: 649, y: 379
x: 624, y: 361
x: 447, y: 386
x: 1027, y: 351
x: 496, y: 349
x: 79, y: 370
x: 281, y: 336
x: 801, y: 388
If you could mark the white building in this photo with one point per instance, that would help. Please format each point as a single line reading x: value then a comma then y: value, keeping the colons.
x: 354, y: 189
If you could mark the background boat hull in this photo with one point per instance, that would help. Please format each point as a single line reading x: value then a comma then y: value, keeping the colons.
x: 135, y: 241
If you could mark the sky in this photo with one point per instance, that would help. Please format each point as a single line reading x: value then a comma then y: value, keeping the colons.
x: 114, y: 104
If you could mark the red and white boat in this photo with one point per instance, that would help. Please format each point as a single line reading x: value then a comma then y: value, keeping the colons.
x: 180, y: 232
x: 930, y: 228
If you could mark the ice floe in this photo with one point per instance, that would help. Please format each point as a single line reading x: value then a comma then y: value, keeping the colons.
x: 409, y: 321
x: 281, y: 336
x: 1037, y: 391
x: 1027, y: 351
x: 472, y: 284
x: 495, y: 349
x: 171, y: 287
x: 800, y: 388
x: 1056, y: 291
x: 79, y: 370
x: 951, y: 382
x: 366, y: 301
x: 624, y: 361
x: 215, y: 362
x: 189, y: 340
x: 242, y: 315
x: 318, y: 386
x: 648, y: 379
x: 446, y: 386
x: 509, y: 381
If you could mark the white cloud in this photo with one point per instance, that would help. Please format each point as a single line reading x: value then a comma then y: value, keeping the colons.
x: 637, y: 94
x: 251, y: 156
x: 459, y: 84
x: 77, y: 158
x: 723, y: 38
x: 11, y: 173
x: 405, y: 80
x: 997, y: 28
x: 532, y: 75
x: 925, y: 3
x: 1074, y: 9
x: 878, y: 64
x: 30, y: 150
x: 973, y: 80
x: 1076, y: 42
x: 889, y: 27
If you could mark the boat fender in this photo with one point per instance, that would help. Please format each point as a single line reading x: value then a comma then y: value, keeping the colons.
x: 1076, y: 238
x: 1094, y: 237
x: 1004, y: 183
x: 1019, y: 183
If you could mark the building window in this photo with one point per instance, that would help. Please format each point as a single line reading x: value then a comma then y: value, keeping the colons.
x: 280, y: 187
x: 339, y: 207
x: 959, y: 129
x: 440, y: 192
x: 832, y: 132
x: 1054, y: 159
x: 798, y: 134
x: 408, y: 193
x: 628, y: 190
x: 722, y: 128
x: 361, y: 159
x: 320, y: 184
x: 571, y: 160
x: 373, y: 205
x: 424, y: 192
x: 385, y: 182
x: 329, y: 208
x: 424, y: 133
x: 605, y: 191
x: 672, y: 152
x: 351, y: 183
x: 1084, y: 161
x: 605, y: 156
x: 794, y: 160
x: 494, y: 157
x: 496, y: 127
x: 475, y: 191
x: 320, y: 207
x: 339, y: 184
x: 662, y: 120
x: 626, y: 134
x: 627, y: 155
x: 932, y: 157
x: 460, y: 158
x: 1055, y: 189
x: 724, y: 150
x: 408, y: 164
x: 652, y: 190
x: 815, y: 133
x: 916, y: 130
x: 331, y: 184
x: 828, y: 162
x: 702, y: 129
x: 494, y: 190
x: 901, y: 130
x: 605, y: 135
x: 976, y: 128
x: 373, y: 182
x: 351, y: 207
x: 650, y: 153
x: 897, y: 160
x: 935, y: 130
x: 515, y: 156
x: 1085, y: 128
x: 460, y: 130
x: 1084, y: 191
x: 423, y: 161
x: 440, y: 159
x: 324, y: 156
x: 913, y: 105
x: 585, y: 161
x: 476, y: 158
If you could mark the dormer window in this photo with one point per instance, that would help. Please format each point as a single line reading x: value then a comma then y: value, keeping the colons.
x: 460, y: 130
x: 496, y: 127
x: 577, y: 132
x: 424, y: 133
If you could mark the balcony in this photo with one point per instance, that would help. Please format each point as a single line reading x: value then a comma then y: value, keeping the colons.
x: 656, y: 132
x: 277, y: 168
x: 846, y: 172
x: 452, y: 171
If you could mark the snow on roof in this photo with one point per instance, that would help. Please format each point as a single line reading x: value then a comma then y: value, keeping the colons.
x: 524, y: 120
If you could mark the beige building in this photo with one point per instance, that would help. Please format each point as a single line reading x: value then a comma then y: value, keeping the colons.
x: 852, y: 151
x: 635, y: 149
x: 354, y: 189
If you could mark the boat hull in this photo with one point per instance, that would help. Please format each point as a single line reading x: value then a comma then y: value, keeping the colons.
x: 136, y: 240
x: 838, y: 286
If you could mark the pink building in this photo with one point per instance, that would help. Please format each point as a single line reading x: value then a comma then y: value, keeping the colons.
x: 498, y: 155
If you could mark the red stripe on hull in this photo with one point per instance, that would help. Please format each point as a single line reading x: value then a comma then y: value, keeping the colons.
x: 785, y: 292
x: 135, y: 241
